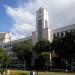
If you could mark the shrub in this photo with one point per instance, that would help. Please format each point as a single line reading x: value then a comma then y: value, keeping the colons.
x: 2, y: 71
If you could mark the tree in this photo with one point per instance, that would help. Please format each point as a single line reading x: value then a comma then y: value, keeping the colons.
x: 57, y: 48
x: 65, y: 46
x: 4, y: 59
x: 42, y: 46
x: 24, y: 52
x: 45, y: 56
x: 69, y: 46
x: 41, y: 50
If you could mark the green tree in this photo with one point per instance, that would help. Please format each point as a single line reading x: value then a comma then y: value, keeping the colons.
x: 57, y: 48
x: 4, y: 59
x: 69, y: 46
x: 42, y: 46
x: 45, y: 56
x: 24, y: 52
x: 41, y: 50
x: 65, y: 46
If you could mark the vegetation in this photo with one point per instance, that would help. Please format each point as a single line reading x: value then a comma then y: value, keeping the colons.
x: 43, y: 50
x: 4, y: 60
x: 20, y: 72
x: 64, y: 47
x: 24, y: 52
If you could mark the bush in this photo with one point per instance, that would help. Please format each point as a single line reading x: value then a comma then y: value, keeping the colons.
x: 2, y: 71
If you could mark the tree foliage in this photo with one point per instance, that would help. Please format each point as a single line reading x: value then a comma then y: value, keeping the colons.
x: 64, y: 47
x: 42, y: 46
x: 23, y: 51
x: 42, y: 49
x: 4, y: 58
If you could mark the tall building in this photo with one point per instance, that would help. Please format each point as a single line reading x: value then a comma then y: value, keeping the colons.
x: 41, y: 22
x: 42, y: 26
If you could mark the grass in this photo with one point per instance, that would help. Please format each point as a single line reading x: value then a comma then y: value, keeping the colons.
x: 55, y: 73
x: 22, y: 72
x: 19, y: 72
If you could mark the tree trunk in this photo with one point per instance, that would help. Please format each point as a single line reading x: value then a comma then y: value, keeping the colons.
x: 50, y: 59
x: 24, y: 64
x: 66, y: 65
x: 6, y: 70
x: 71, y: 65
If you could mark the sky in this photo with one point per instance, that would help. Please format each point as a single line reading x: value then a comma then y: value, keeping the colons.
x: 19, y: 16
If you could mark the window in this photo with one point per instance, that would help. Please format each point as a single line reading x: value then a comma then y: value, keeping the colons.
x: 10, y: 45
x: 54, y: 35
x: 4, y: 46
x: 39, y: 29
x: 62, y: 34
x: 39, y: 16
x: 57, y: 34
x: 46, y: 24
x: 0, y: 46
x: 39, y: 11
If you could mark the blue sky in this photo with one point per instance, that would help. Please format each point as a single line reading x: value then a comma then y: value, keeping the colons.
x: 5, y: 21
x: 18, y: 16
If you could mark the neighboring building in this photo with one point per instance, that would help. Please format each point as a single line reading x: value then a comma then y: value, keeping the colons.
x: 7, y: 46
x: 5, y: 37
x: 42, y: 32
x: 60, y: 32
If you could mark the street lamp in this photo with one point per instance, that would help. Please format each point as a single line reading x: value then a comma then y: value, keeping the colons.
x: 50, y: 57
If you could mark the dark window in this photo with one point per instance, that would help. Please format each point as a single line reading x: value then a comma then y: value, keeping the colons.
x: 39, y: 11
x: 54, y: 35
x: 39, y: 16
x: 46, y: 24
x: 62, y: 34
x: 57, y: 34
x: 0, y: 46
x: 39, y: 29
x: 4, y: 46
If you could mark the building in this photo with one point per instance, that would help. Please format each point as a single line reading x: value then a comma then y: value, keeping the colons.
x: 42, y: 32
x: 42, y: 26
x: 5, y: 37
x: 60, y: 32
x: 7, y: 45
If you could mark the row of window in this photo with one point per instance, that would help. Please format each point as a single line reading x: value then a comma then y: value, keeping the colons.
x: 17, y: 62
x: 11, y: 45
x: 61, y: 34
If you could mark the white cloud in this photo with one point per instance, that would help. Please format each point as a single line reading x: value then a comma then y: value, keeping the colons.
x: 20, y: 31
x: 23, y: 21
x: 61, y: 13
x: 20, y: 15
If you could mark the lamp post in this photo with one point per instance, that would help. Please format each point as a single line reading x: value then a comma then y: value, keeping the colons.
x: 24, y: 62
x: 50, y: 57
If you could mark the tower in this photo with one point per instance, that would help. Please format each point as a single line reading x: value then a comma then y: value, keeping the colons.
x: 42, y: 26
x: 41, y: 22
